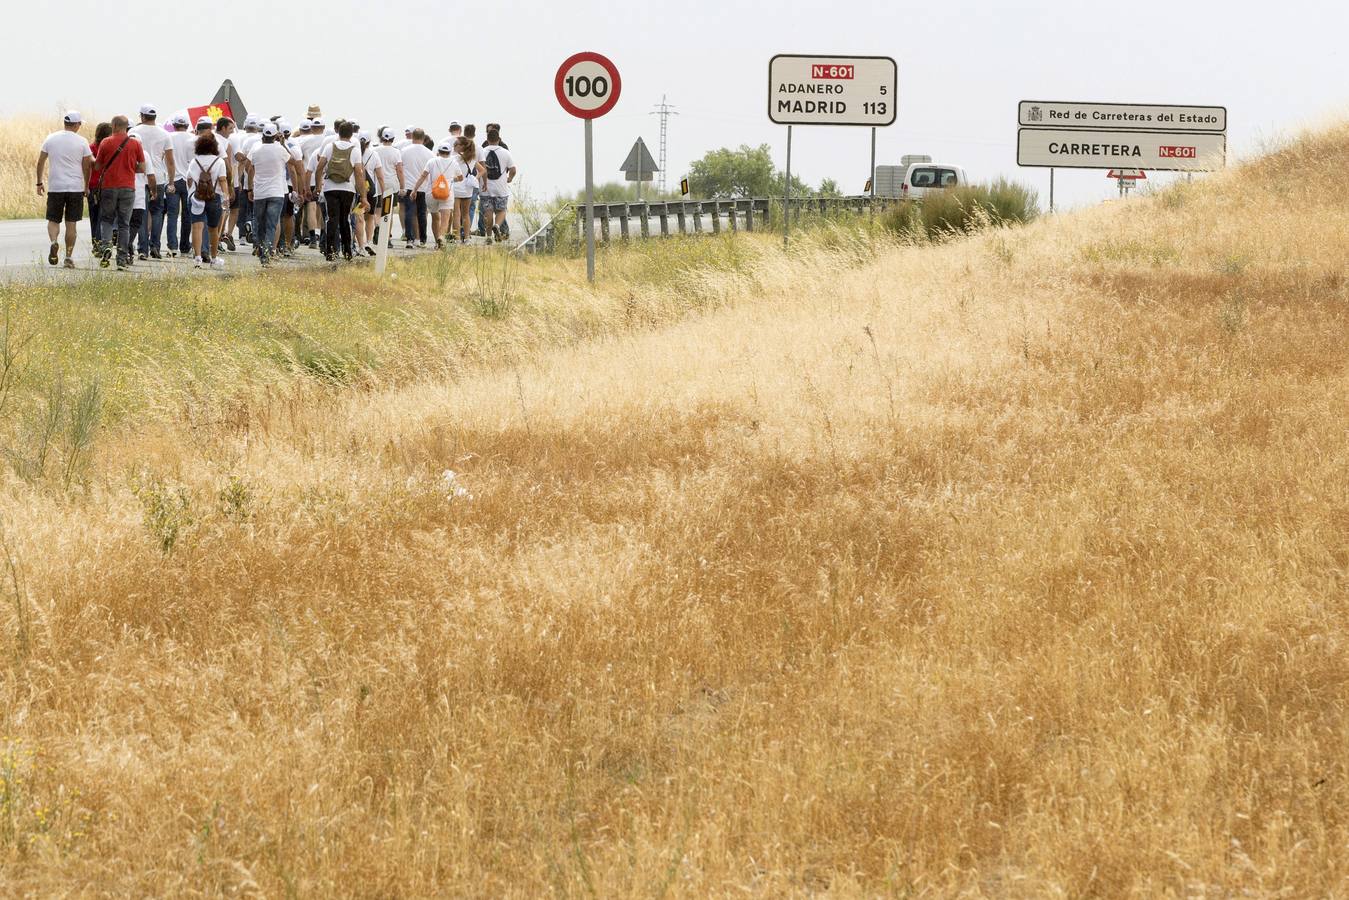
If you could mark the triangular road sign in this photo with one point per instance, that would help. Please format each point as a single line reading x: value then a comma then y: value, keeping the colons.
x: 227, y: 94
x: 1128, y: 174
x: 639, y: 161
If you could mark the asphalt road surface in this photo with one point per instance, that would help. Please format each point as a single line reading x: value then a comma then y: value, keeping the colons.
x: 24, y: 245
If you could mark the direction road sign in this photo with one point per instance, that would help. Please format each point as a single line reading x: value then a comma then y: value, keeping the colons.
x: 1121, y: 116
x: 832, y: 90
x: 639, y: 165
x: 1155, y: 151
x: 587, y: 85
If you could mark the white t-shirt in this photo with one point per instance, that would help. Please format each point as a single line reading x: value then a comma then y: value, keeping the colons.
x: 244, y: 144
x: 183, y: 144
x: 66, y: 152
x: 208, y: 168
x: 466, y: 187
x: 415, y: 157
x: 294, y: 147
x: 437, y: 166
x: 269, y: 170
x: 309, y: 146
x: 327, y: 153
x: 228, y: 147
x: 374, y: 166
x: 154, y: 141
x: 138, y: 201
x: 391, y: 159
x: 498, y: 187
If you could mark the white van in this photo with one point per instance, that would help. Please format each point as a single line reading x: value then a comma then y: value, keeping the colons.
x: 922, y: 178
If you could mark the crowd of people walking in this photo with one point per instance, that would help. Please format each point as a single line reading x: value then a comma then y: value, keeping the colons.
x: 204, y: 188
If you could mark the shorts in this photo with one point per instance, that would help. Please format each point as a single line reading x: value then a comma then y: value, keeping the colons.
x: 65, y: 206
x: 210, y: 213
x: 493, y: 204
x: 236, y: 198
x: 371, y: 194
x: 434, y: 206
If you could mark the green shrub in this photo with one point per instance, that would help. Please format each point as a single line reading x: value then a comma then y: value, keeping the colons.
x: 964, y: 210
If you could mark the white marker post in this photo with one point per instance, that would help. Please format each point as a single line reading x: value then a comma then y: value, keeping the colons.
x: 385, y: 235
x: 587, y: 85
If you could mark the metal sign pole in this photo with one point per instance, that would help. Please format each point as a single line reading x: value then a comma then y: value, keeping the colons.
x: 1051, y: 189
x: 640, y: 147
x: 787, y: 192
x: 590, y: 201
x: 871, y: 174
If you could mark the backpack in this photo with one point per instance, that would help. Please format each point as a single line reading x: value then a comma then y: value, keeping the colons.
x: 440, y: 190
x: 340, y: 167
x: 493, y: 164
x: 205, y: 184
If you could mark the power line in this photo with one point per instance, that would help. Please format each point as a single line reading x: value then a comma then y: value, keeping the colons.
x: 664, y: 110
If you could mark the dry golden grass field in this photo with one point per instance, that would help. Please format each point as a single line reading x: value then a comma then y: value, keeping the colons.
x: 1014, y: 566
x: 20, y: 140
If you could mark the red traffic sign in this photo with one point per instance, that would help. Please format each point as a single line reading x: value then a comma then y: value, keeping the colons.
x: 587, y: 85
x: 1127, y: 174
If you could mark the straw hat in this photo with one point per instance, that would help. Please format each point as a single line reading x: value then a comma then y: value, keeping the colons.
x: 313, y: 112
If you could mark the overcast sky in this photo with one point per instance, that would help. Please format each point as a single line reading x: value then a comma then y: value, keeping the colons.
x: 962, y: 68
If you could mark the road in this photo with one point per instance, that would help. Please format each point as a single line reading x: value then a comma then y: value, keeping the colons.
x: 24, y: 244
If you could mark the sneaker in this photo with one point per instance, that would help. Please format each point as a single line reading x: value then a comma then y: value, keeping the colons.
x: 440, y: 245
x: 347, y: 256
x: 173, y: 254
x: 217, y: 263
x: 154, y: 254
x: 70, y: 263
x: 124, y: 267
x: 196, y: 262
x: 408, y: 245
x: 142, y: 256
x: 369, y: 251
x: 54, y: 253
x: 422, y: 245
x: 228, y: 241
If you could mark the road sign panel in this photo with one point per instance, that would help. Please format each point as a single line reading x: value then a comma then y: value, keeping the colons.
x: 639, y: 165
x: 587, y: 85
x: 832, y: 90
x: 1121, y: 116
x: 1155, y: 151
x: 1128, y: 174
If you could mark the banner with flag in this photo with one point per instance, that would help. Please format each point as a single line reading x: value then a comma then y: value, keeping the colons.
x: 214, y: 110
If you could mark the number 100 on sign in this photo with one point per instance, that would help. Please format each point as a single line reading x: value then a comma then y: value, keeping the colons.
x: 587, y: 85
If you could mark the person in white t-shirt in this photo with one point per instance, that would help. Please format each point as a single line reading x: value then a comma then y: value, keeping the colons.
x: 340, y: 170
x: 207, y: 169
x: 395, y: 179
x: 461, y: 223
x: 415, y: 156
x: 182, y: 142
x: 228, y: 137
x: 267, y: 163
x: 243, y: 143
x: 439, y: 177
x: 159, y: 159
x: 500, y: 166
x: 374, y: 193
x: 71, y: 162
x: 294, y: 184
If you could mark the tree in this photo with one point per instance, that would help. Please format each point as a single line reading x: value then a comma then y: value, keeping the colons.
x: 829, y: 188
x: 746, y: 172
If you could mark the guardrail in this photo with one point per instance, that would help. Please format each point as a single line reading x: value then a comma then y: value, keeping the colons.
x: 630, y: 220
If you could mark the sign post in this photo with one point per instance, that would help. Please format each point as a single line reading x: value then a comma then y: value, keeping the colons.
x: 587, y: 86
x: 808, y: 89
x: 1121, y: 136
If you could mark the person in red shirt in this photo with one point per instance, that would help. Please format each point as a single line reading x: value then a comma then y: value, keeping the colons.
x: 120, y: 157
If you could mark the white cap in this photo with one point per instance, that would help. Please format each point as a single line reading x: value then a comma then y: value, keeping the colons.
x: 270, y: 130
x: 181, y: 119
x: 281, y: 125
x: 409, y: 129
x: 445, y: 147
x: 316, y: 123
x: 454, y: 125
x: 251, y: 121
x: 148, y: 109
x: 205, y: 120
x: 386, y: 133
x: 306, y: 124
x: 73, y: 117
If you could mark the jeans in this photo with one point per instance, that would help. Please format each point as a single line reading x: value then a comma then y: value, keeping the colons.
x: 266, y: 219
x: 178, y: 212
x: 414, y: 216
x: 473, y: 208
x: 95, y: 214
x: 114, y: 209
x: 339, y: 220
x: 152, y: 223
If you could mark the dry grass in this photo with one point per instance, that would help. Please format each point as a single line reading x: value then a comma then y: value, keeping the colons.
x: 20, y: 141
x: 1012, y: 567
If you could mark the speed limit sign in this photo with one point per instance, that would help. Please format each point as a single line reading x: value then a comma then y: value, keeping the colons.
x: 587, y: 85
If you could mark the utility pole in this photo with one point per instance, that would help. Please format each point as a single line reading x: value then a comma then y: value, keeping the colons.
x: 664, y: 110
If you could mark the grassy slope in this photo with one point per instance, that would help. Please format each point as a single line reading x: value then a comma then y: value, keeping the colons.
x: 1016, y: 566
